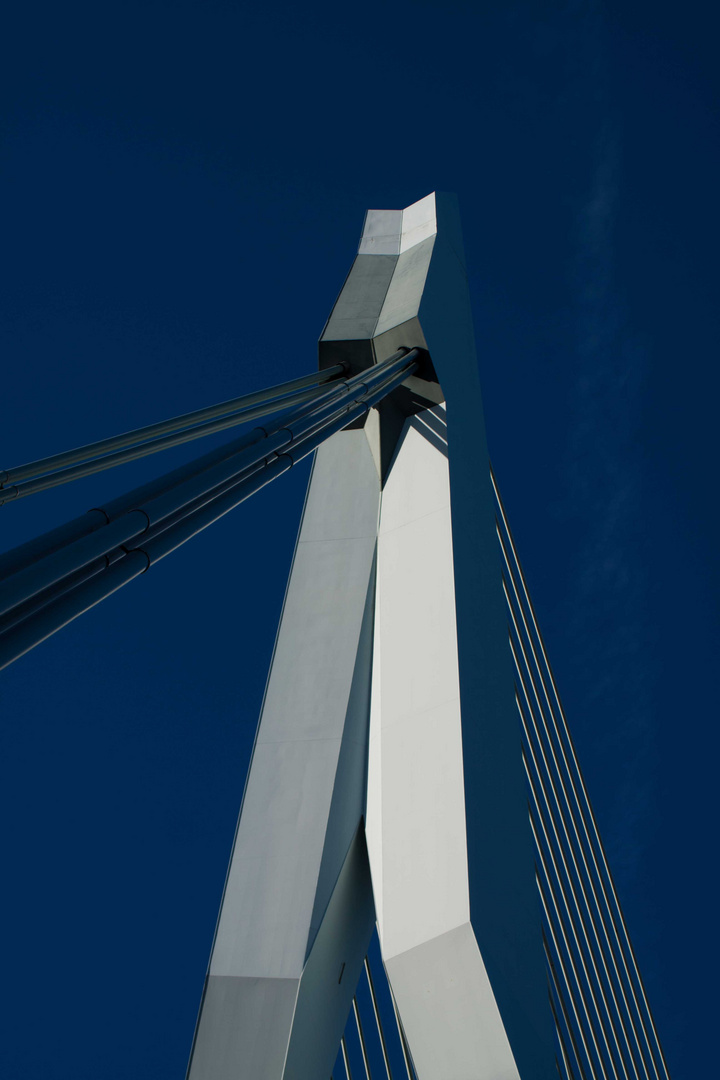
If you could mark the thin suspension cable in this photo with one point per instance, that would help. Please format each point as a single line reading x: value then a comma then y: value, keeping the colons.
x: 401, y: 1033
x: 588, y: 916
x: 591, y: 1060
x: 361, y: 1036
x: 595, y: 846
x: 346, y: 1060
x: 561, y: 1039
x: 575, y: 778
x: 636, y: 1017
x: 563, y: 1050
x: 151, y: 431
x: 559, y: 774
x: 570, y: 815
x: 554, y: 775
x: 592, y: 1008
x: 381, y: 1033
x: 558, y: 996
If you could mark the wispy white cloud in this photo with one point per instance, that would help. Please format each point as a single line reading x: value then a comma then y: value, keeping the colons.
x: 604, y: 488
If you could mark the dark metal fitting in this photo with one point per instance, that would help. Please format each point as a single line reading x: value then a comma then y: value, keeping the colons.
x: 138, y: 510
x: 139, y: 551
x: 118, y: 553
x: 425, y: 369
x: 100, y: 510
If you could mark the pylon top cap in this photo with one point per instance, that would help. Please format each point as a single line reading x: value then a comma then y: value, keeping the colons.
x: 390, y: 232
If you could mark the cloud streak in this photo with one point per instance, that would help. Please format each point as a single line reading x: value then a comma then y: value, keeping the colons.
x: 608, y: 586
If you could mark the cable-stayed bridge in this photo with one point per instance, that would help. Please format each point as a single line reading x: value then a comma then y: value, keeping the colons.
x: 417, y: 885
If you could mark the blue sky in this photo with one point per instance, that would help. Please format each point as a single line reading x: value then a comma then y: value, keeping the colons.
x: 183, y: 186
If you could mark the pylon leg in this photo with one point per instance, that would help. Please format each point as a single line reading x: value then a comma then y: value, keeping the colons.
x: 298, y: 903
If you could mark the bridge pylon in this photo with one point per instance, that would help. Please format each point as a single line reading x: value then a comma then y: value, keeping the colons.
x: 386, y: 782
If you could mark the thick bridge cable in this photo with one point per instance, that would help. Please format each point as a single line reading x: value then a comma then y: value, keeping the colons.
x: 95, y: 457
x: 162, y: 524
x: 121, y: 457
x: 135, y: 521
x: 33, y: 550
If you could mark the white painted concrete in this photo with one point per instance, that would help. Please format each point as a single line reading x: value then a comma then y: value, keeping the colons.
x: 416, y: 829
x: 419, y: 222
x: 273, y: 958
